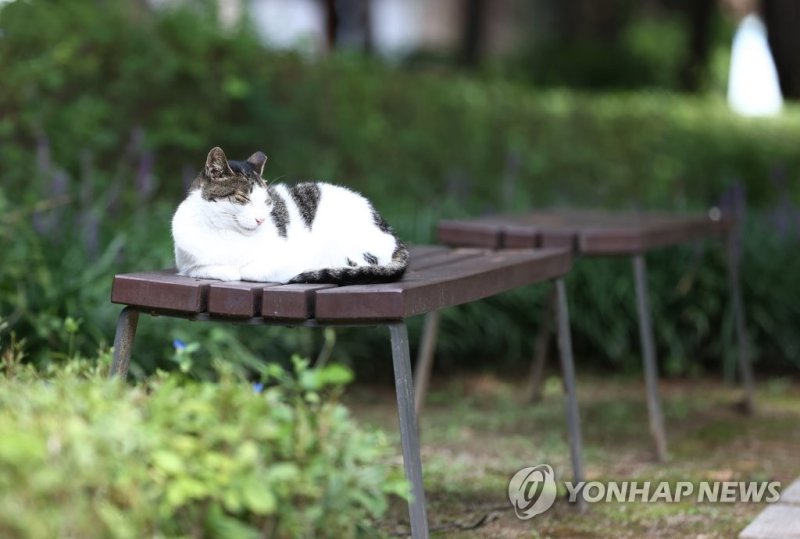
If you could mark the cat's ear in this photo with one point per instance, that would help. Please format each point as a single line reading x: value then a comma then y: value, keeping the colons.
x: 217, y: 164
x: 258, y: 160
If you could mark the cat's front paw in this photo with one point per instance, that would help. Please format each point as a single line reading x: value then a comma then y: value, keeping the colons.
x: 254, y: 272
x: 229, y: 274
x: 222, y: 273
x: 264, y: 273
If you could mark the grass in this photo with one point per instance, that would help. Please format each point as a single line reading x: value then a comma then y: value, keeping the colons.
x: 476, y: 434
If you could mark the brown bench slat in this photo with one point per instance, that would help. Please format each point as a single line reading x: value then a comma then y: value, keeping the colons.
x: 420, y: 252
x: 520, y: 237
x: 471, y: 233
x: 237, y: 298
x: 649, y: 234
x: 563, y: 238
x: 297, y: 301
x: 290, y: 301
x: 448, y: 256
x: 588, y: 232
x: 442, y: 278
x: 442, y: 286
x: 161, y: 290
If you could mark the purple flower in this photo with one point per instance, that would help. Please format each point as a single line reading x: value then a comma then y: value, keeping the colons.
x: 258, y: 387
x: 91, y: 234
x: 42, y: 152
x: 46, y: 222
x: 144, y: 182
x: 179, y: 345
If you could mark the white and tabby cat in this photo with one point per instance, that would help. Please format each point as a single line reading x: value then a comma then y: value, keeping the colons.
x: 233, y: 226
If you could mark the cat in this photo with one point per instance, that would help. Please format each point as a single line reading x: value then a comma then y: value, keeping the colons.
x: 232, y: 226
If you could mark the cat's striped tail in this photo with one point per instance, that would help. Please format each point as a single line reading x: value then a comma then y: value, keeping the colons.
x: 371, y: 274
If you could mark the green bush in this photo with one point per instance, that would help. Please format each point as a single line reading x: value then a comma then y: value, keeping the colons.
x: 82, y: 456
x: 106, y: 115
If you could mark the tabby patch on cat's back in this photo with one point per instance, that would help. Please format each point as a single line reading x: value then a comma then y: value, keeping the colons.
x: 233, y: 226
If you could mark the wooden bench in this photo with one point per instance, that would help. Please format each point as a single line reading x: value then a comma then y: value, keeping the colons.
x: 438, y: 277
x: 595, y: 233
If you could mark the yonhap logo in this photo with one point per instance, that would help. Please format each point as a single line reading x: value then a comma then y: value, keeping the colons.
x: 532, y: 491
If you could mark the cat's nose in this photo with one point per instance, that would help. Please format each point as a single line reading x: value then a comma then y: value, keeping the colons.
x: 259, y: 220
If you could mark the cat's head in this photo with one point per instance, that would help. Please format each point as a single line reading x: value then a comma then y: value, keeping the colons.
x: 234, y: 191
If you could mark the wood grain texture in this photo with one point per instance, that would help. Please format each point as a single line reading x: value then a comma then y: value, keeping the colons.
x: 421, y: 252
x: 469, y: 233
x: 161, y: 290
x: 291, y: 301
x: 237, y: 299
x: 447, y: 256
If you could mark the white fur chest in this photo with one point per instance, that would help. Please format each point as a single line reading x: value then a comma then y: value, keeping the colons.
x: 204, y: 235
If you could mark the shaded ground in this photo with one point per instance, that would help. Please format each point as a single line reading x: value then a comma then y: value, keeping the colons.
x: 475, y: 435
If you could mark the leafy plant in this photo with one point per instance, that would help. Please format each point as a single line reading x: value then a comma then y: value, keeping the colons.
x: 106, y: 116
x: 86, y: 457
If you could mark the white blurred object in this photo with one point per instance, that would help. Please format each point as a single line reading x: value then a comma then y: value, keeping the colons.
x: 287, y: 24
x: 753, y: 87
x: 403, y: 26
x: 229, y: 12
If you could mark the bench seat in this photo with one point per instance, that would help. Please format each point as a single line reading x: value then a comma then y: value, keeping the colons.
x: 437, y: 278
x: 587, y: 232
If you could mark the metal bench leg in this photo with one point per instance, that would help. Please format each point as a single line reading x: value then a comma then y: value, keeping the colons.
x: 427, y: 347
x: 568, y: 373
x: 409, y: 436
x: 649, y: 358
x: 123, y: 342
x: 745, y: 367
x: 533, y: 392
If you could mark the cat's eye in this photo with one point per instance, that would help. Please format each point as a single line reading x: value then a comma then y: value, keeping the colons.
x: 240, y: 198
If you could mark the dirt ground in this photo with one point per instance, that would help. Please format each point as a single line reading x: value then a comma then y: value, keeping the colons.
x: 476, y: 433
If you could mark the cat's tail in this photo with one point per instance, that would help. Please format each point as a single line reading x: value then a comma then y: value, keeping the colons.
x: 372, y: 274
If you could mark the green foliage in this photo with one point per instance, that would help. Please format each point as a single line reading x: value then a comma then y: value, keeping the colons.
x: 86, y: 457
x: 106, y: 115
x: 625, y: 46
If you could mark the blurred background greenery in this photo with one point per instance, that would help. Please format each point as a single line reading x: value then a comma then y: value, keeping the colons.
x: 107, y: 110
